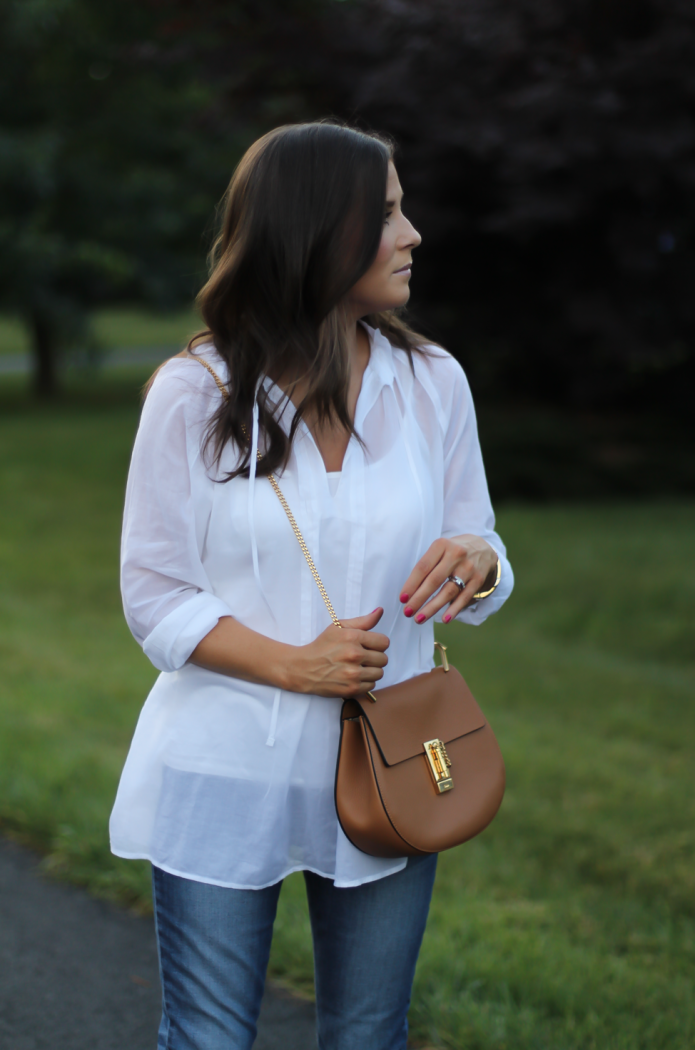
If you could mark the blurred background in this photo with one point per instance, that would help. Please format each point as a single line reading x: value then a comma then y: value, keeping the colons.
x: 547, y: 152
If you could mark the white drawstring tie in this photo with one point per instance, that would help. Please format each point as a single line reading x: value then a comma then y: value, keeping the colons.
x: 270, y: 742
x: 252, y: 488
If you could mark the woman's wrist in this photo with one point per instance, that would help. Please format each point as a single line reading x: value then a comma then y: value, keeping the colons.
x: 232, y: 649
x: 280, y: 665
x: 491, y: 581
x: 287, y: 668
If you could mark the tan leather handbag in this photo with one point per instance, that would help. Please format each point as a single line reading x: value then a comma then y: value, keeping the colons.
x: 419, y: 769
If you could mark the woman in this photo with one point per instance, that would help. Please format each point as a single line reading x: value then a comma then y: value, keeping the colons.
x: 228, y: 786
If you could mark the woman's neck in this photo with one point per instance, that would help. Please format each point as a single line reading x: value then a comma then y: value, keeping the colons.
x: 359, y: 352
x: 332, y: 440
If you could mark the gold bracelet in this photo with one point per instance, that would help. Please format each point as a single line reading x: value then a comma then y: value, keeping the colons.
x: 486, y: 594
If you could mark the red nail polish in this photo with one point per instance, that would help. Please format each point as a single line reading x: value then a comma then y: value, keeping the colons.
x: 405, y: 597
x: 408, y: 611
x: 420, y: 618
x: 446, y: 617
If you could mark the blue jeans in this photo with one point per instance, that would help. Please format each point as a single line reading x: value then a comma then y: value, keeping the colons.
x: 214, y: 945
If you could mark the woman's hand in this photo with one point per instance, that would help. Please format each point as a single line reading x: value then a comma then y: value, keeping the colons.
x: 469, y: 557
x: 341, y: 662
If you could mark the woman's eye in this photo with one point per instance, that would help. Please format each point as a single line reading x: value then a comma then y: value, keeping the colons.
x: 387, y: 216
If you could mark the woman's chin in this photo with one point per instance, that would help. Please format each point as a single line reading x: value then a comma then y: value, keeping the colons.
x: 392, y: 302
x: 402, y: 299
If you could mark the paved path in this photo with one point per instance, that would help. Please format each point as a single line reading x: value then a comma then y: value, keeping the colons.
x: 22, y: 364
x: 79, y: 974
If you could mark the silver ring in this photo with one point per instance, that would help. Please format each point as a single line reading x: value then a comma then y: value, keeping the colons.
x: 458, y: 581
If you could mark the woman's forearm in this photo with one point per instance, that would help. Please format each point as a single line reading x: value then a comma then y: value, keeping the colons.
x: 233, y: 649
x: 342, y: 661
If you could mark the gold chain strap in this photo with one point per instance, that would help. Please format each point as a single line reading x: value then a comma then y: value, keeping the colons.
x: 305, y: 549
x: 285, y: 505
x: 220, y: 385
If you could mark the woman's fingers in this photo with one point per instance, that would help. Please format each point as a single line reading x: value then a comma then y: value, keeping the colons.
x: 360, y: 630
x: 371, y: 663
x: 459, y: 603
x: 449, y: 593
x: 372, y: 658
x: 424, y: 567
x: 433, y: 586
x: 371, y: 674
x: 374, y: 640
x: 361, y: 680
x: 371, y: 640
x: 444, y: 558
x: 365, y: 624
x: 469, y: 557
x: 452, y: 596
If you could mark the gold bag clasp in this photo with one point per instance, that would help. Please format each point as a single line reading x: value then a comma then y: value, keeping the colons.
x: 439, y: 765
x: 442, y: 651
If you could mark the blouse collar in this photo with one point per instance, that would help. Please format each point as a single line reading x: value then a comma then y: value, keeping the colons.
x: 379, y: 373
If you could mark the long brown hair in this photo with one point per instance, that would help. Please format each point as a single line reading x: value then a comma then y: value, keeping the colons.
x: 301, y: 223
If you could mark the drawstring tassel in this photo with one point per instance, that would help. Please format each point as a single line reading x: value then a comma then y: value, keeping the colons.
x: 270, y: 742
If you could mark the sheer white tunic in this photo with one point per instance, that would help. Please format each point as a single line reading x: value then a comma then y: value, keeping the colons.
x: 232, y: 783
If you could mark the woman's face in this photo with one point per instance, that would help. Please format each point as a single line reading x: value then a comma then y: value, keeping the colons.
x: 385, y: 285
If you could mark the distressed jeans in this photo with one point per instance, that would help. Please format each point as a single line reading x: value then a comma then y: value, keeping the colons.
x: 214, y: 945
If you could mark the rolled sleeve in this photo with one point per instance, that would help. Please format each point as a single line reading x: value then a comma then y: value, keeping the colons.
x: 168, y: 599
x: 175, y: 637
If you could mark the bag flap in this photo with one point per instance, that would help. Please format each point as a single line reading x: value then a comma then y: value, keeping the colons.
x: 438, y: 704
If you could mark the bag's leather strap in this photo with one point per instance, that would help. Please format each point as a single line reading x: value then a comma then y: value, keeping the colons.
x: 285, y: 505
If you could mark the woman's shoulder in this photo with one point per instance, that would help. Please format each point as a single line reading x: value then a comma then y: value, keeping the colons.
x: 190, y: 377
x: 436, y: 378
x: 440, y: 364
x: 182, y: 396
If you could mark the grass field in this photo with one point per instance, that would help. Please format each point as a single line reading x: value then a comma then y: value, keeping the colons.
x: 570, y: 923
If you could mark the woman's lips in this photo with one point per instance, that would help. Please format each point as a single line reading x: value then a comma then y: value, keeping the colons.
x: 404, y: 269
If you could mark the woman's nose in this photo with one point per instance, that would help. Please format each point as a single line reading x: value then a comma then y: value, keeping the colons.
x: 411, y: 238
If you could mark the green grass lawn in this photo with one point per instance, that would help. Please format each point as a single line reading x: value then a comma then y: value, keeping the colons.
x: 570, y: 923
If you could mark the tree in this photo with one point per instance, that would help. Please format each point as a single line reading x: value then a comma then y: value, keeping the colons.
x: 548, y: 147
x: 109, y: 167
x: 548, y: 153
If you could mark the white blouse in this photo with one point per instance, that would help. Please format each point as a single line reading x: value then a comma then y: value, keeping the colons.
x: 231, y: 783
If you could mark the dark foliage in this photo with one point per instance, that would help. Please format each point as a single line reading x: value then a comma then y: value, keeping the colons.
x: 548, y: 153
x: 550, y: 147
x: 107, y: 175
